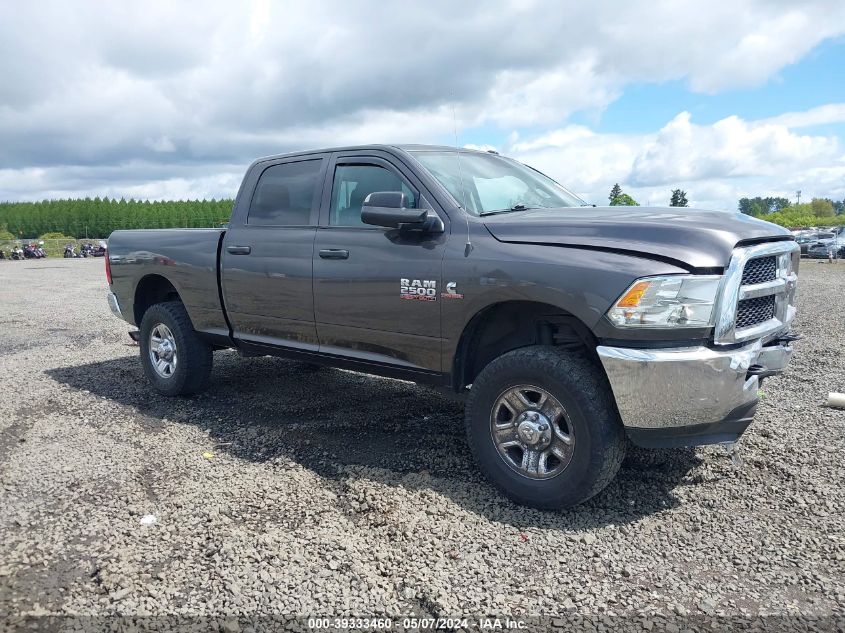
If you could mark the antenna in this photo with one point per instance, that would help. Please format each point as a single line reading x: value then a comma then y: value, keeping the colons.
x: 468, y: 246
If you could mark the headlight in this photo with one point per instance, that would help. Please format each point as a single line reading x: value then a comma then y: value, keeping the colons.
x: 667, y: 302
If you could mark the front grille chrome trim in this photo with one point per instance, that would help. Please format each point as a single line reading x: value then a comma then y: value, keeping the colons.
x: 759, y: 330
x: 732, y: 291
x: 752, y: 291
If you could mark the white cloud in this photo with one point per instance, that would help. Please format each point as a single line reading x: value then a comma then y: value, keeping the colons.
x: 578, y: 157
x: 775, y: 41
x: 134, y: 180
x: 716, y: 164
x: 527, y: 97
x: 728, y: 148
x: 90, y: 89
x: 821, y: 115
x: 161, y: 144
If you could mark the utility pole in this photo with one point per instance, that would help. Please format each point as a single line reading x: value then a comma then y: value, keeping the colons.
x: 798, y: 196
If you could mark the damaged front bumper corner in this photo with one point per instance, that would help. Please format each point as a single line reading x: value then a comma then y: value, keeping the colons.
x: 689, y: 396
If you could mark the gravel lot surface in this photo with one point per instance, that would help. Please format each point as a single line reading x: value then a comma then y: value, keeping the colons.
x: 291, y: 490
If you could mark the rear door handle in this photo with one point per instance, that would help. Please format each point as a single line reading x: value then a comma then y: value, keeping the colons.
x: 239, y: 250
x: 334, y: 253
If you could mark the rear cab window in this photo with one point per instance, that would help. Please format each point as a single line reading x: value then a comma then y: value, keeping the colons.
x: 285, y: 194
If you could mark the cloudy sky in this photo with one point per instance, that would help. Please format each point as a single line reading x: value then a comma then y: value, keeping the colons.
x: 164, y: 100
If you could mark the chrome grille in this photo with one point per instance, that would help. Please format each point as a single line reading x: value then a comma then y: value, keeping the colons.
x: 760, y: 270
x: 753, y: 311
x: 758, y: 292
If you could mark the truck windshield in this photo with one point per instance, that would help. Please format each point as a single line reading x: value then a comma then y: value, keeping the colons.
x: 485, y: 184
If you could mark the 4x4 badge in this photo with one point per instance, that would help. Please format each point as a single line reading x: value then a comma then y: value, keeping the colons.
x: 451, y: 291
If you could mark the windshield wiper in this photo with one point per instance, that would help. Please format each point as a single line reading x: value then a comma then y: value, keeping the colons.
x: 517, y: 207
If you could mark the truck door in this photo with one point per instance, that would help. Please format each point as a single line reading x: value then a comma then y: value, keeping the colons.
x: 376, y: 290
x: 266, y: 260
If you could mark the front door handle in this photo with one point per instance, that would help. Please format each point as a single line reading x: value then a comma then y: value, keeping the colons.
x: 239, y: 250
x: 334, y: 253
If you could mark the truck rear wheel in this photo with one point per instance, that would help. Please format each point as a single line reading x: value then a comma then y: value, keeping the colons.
x: 543, y: 427
x: 176, y: 361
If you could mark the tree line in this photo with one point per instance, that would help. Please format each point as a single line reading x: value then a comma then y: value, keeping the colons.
x: 98, y: 217
x: 779, y: 210
x: 817, y: 212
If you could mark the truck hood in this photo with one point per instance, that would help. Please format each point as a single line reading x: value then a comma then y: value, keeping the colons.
x: 695, y: 238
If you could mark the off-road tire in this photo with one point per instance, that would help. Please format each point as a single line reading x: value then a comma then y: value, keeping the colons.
x: 193, y: 367
x: 581, y: 387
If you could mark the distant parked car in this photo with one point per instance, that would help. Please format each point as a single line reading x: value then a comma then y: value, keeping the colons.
x: 809, y: 239
x: 804, y: 240
x: 825, y: 248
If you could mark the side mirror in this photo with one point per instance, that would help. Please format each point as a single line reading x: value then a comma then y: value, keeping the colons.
x: 389, y: 209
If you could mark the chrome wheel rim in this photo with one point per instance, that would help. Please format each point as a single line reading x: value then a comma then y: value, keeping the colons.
x: 163, y: 350
x: 532, y: 432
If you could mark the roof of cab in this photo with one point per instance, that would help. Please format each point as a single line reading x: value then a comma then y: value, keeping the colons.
x: 407, y: 147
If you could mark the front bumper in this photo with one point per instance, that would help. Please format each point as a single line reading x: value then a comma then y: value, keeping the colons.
x: 689, y: 396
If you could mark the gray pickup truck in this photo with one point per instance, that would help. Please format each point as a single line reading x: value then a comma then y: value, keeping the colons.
x: 571, y: 329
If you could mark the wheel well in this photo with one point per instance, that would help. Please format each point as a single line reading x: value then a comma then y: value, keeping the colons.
x: 507, y: 326
x: 151, y: 290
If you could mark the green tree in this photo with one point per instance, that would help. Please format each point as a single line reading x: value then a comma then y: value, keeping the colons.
x: 620, y: 199
x: 801, y: 216
x: 97, y: 218
x: 624, y: 200
x: 679, y: 198
x: 822, y: 208
x: 778, y: 204
x: 758, y: 206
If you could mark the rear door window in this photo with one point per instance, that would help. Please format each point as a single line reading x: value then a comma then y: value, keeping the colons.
x: 286, y: 194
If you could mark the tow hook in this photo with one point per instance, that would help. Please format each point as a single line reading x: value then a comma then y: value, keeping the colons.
x: 761, y: 372
x: 732, y: 449
x: 786, y: 339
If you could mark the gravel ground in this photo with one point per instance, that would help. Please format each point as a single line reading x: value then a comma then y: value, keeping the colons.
x: 291, y: 490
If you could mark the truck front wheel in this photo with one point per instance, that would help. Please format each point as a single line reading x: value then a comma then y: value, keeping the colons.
x: 176, y: 361
x: 543, y: 427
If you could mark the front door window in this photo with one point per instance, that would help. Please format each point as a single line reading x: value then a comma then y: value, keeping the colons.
x: 352, y: 185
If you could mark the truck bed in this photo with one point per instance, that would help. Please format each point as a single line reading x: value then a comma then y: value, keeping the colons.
x: 187, y: 258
